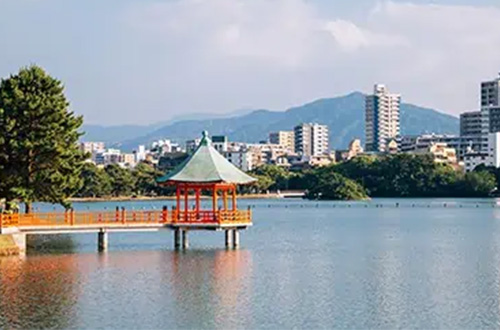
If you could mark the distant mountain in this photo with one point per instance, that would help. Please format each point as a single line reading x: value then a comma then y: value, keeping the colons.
x: 344, y: 115
x: 113, y: 135
x: 204, y: 116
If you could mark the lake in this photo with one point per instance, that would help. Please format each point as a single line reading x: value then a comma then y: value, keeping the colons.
x: 386, y: 263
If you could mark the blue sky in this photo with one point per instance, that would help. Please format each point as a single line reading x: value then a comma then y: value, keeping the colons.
x: 126, y: 61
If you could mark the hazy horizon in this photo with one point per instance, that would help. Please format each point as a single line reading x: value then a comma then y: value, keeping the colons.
x: 141, y: 62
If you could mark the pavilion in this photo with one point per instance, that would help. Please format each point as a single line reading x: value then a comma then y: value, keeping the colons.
x: 207, y: 172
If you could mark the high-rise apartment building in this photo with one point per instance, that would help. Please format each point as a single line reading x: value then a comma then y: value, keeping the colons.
x: 284, y: 138
x: 490, y: 106
x: 470, y: 123
x: 311, y: 139
x: 381, y: 119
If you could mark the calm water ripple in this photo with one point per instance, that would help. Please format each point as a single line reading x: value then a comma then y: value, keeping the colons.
x: 299, y: 267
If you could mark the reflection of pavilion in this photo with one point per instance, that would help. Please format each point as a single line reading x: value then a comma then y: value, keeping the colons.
x: 211, y: 288
x: 207, y: 171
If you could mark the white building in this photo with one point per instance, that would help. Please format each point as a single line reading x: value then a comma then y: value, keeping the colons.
x: 311, y: 139
x: 140, y: 153
x: 442, y: 153
x: 285, y: 138
x: 381, y: 119
x: 489, y: 158
x: 242, y: 159
x: 220, y: 143
x: 461, y: 144
x: 91, y: 147
x: 106, y: 157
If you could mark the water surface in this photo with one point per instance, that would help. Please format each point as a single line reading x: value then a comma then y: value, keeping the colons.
x: 383, y: 264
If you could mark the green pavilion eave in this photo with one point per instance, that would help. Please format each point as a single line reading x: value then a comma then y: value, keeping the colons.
x: 207, y: 171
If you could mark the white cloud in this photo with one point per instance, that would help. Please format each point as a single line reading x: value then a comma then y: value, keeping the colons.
x: 277, y: 53
x: 351, y: 37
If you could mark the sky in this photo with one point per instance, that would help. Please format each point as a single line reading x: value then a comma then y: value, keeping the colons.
x: 144, y: 61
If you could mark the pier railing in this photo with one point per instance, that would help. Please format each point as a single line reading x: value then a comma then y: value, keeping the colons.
x: 123, y: 216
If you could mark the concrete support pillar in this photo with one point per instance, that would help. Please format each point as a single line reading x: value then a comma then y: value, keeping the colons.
x: 177, y: 238
x: 185, y: 239
x: 229, y: 238
x: 236, y: 238
x: 20, y: 241
x: 102, y: 241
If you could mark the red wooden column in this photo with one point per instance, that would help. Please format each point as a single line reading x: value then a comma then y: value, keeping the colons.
x: 224, y: 197
x: 198, y: 202
x: 186, y: 202
x: 178, y: 201
x: 234, y: 198
x: 214, y: 201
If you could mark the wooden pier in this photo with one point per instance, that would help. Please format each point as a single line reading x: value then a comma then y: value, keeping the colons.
x: 122, y: 220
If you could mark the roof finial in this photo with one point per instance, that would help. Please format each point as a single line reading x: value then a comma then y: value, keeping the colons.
x: 205, y: 140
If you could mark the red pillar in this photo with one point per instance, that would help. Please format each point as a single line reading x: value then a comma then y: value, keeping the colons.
x: 234, y: 198
x: 224, y: 197
x: 178, y: 196
x: 214, y: 201
x: 186, y: 203
x: 198, y: 201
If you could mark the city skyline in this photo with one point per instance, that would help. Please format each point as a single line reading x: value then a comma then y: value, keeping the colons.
x: 175, y: 57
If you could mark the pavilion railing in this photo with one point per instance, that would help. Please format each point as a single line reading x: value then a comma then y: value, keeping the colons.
x: 220, y: 216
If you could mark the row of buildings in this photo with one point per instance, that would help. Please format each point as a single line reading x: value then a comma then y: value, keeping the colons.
x: 102, y: 156
x: 476, y: 144
x: 305, y: 146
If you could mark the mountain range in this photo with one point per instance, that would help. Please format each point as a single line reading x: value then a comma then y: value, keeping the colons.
x: 344, y: 116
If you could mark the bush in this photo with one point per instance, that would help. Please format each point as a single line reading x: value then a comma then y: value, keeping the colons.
x: 333, y: 186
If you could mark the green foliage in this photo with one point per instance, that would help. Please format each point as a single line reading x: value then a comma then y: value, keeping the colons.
x: 490, y: 169
x: 145, y: 175
x: 477, y: 184
x: 271, y: 177
x: 39, y: 156
x: 401, y: 175
x: 263, y: 183
x: 334, y: 186
x: 117, y: 181
x: 96, y: 182
x: 122, y: 180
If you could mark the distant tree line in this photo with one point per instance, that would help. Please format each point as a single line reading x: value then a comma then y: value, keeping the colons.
x: 115, y: 181
x: 401, y: 175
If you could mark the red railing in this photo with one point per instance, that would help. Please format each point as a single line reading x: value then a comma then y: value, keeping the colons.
x: 122, y: 216
x: 222, y: 217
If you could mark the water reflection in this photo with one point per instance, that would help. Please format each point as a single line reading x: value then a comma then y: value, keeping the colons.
x: 384, y: 268
x: 37, y: 292
x: 211, y: 288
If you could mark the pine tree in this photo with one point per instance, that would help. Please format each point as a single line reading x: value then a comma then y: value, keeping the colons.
x: 39, y: 156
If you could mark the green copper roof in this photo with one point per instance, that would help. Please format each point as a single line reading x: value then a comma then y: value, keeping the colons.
x: 207, y: 165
